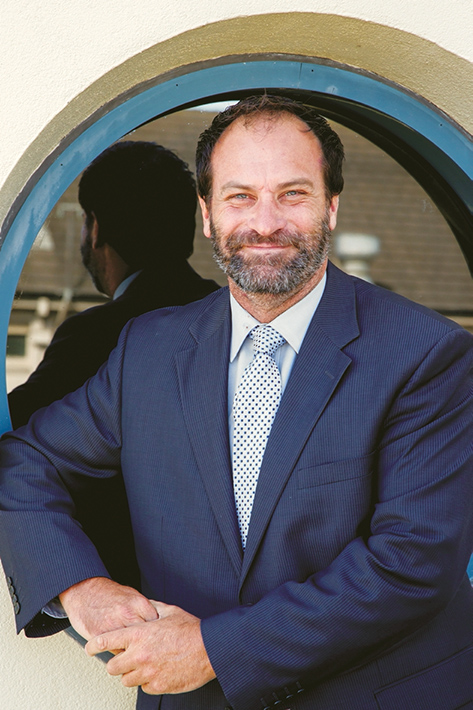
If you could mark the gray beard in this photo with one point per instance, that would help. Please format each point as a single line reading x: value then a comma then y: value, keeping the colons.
x: 272, y: 275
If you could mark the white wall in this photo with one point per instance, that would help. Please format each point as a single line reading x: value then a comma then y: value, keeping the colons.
x: 51, y: 51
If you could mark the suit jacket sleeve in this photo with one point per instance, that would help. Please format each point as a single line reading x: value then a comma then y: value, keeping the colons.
x: 384, y: 585
x: 43, y: 547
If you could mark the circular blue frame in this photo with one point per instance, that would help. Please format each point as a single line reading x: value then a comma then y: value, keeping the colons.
x: 425, y: 132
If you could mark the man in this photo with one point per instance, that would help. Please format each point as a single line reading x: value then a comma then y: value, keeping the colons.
x: 298, y: 551
x: 139, y: 202
x: 139, y: 206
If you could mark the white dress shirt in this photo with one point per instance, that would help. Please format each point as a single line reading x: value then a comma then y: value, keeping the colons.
x: 292, y: 325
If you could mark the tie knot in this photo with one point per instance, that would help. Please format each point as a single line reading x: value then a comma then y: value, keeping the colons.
x: 266, y: 340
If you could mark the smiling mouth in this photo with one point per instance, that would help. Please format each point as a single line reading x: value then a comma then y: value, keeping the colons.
x: 265, y: 245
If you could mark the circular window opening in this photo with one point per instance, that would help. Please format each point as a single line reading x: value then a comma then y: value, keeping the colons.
x: 430, y: 148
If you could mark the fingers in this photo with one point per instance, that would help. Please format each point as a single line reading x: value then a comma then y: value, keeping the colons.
x: 139, y: 663
x: 165, y: 656
x: 132, y: 661
x: 156, y: 605
x: 114, y: 642
x: 143, y: 608
x: 162, y: 609
x: 119, y: 639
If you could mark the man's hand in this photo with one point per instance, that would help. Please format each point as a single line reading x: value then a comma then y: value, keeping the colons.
x: 98, y: 605
x: 164, y: 656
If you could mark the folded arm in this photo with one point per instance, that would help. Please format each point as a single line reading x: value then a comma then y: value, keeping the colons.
x: 43, y: 547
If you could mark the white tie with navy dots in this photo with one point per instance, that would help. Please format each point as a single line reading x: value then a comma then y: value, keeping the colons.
x: 255, y: 405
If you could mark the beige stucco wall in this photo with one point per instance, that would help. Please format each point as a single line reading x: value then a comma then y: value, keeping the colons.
x: 60, y: 60
x: 53, y: 673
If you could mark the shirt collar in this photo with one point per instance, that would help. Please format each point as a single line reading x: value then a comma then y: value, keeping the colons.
x: 292, y: 324
x: 122, y: 287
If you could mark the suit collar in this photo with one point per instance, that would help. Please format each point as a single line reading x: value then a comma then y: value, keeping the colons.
x: 215, y: 316
x: 336, y: 314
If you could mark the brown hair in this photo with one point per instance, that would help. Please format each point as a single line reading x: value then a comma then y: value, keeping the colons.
x: 254, y: 106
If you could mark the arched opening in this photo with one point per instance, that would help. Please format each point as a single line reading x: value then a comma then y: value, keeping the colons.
x: 433, y: 149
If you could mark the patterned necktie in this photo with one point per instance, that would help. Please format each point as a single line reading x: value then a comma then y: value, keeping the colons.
x: 255, y: 405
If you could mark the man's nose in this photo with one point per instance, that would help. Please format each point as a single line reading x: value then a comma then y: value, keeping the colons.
x: 266, y: 216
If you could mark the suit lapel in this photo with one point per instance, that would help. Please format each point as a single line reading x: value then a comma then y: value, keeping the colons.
x: 317, y: 371
x: 203, y: 382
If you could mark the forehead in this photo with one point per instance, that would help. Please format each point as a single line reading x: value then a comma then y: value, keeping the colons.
x: 280, y: 145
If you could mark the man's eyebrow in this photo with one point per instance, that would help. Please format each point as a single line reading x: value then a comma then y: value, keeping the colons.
x: 235, y: 186
x: 296, y: 181
x: 282, y: 186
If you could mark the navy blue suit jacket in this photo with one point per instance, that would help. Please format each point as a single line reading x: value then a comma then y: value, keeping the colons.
x: 352, y: 590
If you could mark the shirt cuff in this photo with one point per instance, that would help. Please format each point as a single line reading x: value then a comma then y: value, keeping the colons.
x: 55, y: 609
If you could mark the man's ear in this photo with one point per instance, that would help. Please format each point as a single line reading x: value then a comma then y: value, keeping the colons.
x: 332, y: 211
x: 205, y: 217
x: 94, y: 234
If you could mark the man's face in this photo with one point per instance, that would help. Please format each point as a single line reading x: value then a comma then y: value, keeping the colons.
x: 88, y: 254
x: 268, y: 217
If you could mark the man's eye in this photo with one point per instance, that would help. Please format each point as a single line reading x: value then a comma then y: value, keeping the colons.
x: 294, y: 193
x: 238, y: 197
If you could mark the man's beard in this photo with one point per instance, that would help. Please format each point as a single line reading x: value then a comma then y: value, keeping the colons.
x: 272, y: 274
x: 89, y: 263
